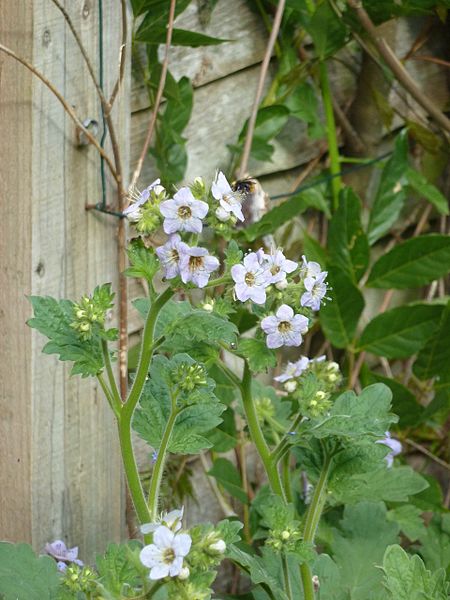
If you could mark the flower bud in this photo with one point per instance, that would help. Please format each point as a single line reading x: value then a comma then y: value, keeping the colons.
x: 281, y: 285
x: 222, y: 214
x: 184, y: 573
x: 320, y: 395
x: 218, y: 546
x: 285, y: 535
x: 290, y: 386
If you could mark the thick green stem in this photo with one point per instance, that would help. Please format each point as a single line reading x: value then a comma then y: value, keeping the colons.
x: 158, y: 470
x: 333, y: 148
x: 257, y: 435
x: 311, y: 522
x: 116, y: 401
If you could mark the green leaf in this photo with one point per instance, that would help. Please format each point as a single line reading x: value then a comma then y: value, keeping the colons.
x: 180, y: 37
x: 359, y: 545
x: 313, y: 250
x: 327, y: 31
x: 270, y: 120
x: 422, y: 186
x: 203, y: 325
x: 284, y: 212
x: 434, y: 358
x: 404, y: 402
x: 348, y: 247
x: 229, y: 531
x: 144, y: 263
x: 402, y: 331
x: 414, y: 263
x: 202, y: 415
x: 329, y: 575
x: 355, y: 416
x: 435, y: 543
x: 258, y: 355
x: 24, y: 576
x: 53, y: 319
x: 407, y: 579
x: 228, y: 476
x: 340, y: 315
x: 157, y: 10
x: 119, y: 568
x: 409, y: 519
x: 391, y: 193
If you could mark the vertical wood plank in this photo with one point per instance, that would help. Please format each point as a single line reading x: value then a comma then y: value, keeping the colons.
x: 71, y: 487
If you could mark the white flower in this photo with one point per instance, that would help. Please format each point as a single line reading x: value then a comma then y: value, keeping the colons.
x: 183, y: 212
x: 251, y: 278
x: 172, y: 520
x: 140, y: 198
x: 394, y: 445
x: 278, y: 266
x: 310, y: 268
x: 293, y: 369
x: 229, y: 200
x: 170, y: 254
x: 196, y: 265
x: 316, y: 288
x: 285, y: 328
x: 165, y: 556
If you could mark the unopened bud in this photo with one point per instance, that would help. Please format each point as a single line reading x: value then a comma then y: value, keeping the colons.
x: 285, y: 535
x: 218, y: 546
x: 290, y: 386
x: 320, y: 395
x: 281, y: 285
x: 222, y: 214
x: 184, y: 573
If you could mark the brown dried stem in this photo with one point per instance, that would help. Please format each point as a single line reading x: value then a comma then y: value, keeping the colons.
x: 159, y: 93
x: 400, y: 73
x: 259, y: 89
x: 122, y: 57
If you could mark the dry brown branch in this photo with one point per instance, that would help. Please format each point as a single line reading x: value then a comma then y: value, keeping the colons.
x: 259, y: 89
x: 400, y: 73
x: 69, y: 110
x: 426, y: 452
x: 159, y: 93
x: 122, y: 55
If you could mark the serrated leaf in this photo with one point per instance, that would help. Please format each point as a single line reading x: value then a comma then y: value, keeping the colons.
x: 228, y: 476
x: 413, y: 263
x: 422, y: 186
x: 203, y: 325
x: 229, y: 531
x: 407, y: 579
x: 284, y: 212
x: 258, y: 355
x: 119, y: 567
x: 435, y: 543
x: 143, y: 261
x: 402, y: 331
x: 409, y: 520
x: 348, y: 247
x: 391, y: 193
x: 434, y: 358
x: 327, y: 31
x: 339, y: 316
x: 201, y: 416
x: 25, y: 576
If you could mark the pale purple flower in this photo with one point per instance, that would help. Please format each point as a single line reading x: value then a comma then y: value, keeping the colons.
x: 172, y: 520
x: 293, y: 369
x: 279, y: 266
x: 284, y: 328
x: 309, y: 268
x: 316, y: 288
x: 170, y: 254
x: 165, y: 556
x: 139, y: 198
x: 229, y: 200
x: 251, y: 278
x: 394, y: 445
x: 61, y: 553
x: 183, y: 212
x: 61, y: 566
x: 196, y: 265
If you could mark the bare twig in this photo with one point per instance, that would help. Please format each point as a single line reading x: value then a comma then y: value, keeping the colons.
x: 224, y: 505
x: 122, y: 55
x: 400, y: 73
x: 159, y: 94
x: 425, y: 451
x: 432, y: 59
x: 69, y: 110
x: 259, y: 89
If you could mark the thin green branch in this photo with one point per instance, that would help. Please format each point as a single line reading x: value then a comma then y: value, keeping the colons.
x: 287, y: 580
x: 117, y: 403
x: 108, y: 394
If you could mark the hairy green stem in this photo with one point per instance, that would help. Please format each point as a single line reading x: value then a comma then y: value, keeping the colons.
x: 280, y: 450
x: 257, y: 435
x: 312, y: 521
x: 333, y: 148
x: 116, y: 401
x: 286, y: 476
x: 158, y: 469
x: 108, y: 393
x: 287, y: 580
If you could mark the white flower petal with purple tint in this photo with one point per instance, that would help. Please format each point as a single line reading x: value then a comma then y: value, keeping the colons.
x: 284, y: 328
x: 251, y: 278
x: 293, y: 369
x: 172, y: 520
x: 229, y: 200
x: 139, y: 198
x: 394, y: 445
x: 279, y: 266
x: 60, y: 552
x: 309, y: 268
x: 196, y: 265
x: 165, y: 556
x: 170, y: 255
x: 316, y: 288
x: 183, y: 212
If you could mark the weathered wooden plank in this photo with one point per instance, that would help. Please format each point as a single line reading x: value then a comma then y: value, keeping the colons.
x: 71, y: 480
x: 231, y: 20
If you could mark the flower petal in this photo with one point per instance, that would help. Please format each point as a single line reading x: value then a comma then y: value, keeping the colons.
x: 285, y: 313
x: 163, y: 537
x: 182, y: 544
x: 159, y: 571
x: 150, y: 555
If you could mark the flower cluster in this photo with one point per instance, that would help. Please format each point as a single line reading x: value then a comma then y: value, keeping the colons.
x: 62, y: 554
x: 314, y: 283
x: 90, y: 313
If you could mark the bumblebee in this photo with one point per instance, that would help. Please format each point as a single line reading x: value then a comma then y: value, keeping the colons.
x: 254, y: 199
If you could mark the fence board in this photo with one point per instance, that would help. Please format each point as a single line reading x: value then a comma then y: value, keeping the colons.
x: 73, y: 484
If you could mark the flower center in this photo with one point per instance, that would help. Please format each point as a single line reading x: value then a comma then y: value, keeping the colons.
x: 184, y: 212
x: 168, y: 556
x: 174, y: 256
x: 195, y: 262
x: 249, y: 278
x: 284, y: 326
x: 275, y: 269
